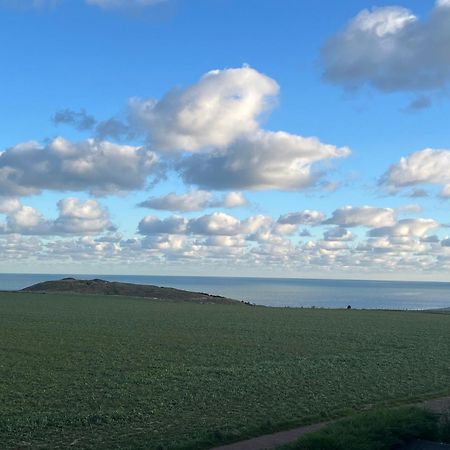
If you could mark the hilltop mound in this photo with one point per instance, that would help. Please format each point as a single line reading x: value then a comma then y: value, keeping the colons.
x: 102, y: 287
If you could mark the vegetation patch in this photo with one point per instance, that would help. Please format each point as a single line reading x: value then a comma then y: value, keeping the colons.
x: 109, y: 372
x: 378, y: 430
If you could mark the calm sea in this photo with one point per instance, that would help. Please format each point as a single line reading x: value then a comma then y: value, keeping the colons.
x: 283, y: 292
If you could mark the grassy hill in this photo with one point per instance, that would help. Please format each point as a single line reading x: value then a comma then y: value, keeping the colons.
x: 102, y: 287
x: 110, y: 372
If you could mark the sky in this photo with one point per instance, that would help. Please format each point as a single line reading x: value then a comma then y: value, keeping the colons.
x: 282, y: 138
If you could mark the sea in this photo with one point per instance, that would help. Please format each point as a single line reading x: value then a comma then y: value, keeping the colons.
x: 282, y: 292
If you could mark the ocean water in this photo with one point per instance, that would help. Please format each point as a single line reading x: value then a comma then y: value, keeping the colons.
x: 285, y: 292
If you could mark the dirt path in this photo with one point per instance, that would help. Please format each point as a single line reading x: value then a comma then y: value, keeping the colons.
x: 271, y: 441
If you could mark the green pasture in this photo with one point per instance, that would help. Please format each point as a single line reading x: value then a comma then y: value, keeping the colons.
x: 97, y: 372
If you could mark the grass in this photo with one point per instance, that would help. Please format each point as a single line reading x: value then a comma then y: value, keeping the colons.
x: 117, y: 373
x: 378, y: 430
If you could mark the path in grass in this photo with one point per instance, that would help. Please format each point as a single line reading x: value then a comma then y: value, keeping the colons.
x: 270, y: 441
x: 274, y: 440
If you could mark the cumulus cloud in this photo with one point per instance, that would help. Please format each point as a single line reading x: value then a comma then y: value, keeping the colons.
x: 223, y: 106
x: 406, y: 228
x: 194, y: 201
x: 218, y: 239
x: 367, y: 216
x: 153, y: 225
x: 99, y: 167
x: 75, y: 218
x: 9, y: 205
x: 338, y: 234
x: 16, y: 247
x: 391, y: 49
x: 27, y: 220
x: 427, y: 166
x: 265, y: 160
x: 78, y: 217
x: 234, y: 200
x: 215, y: 224
x: 85, y: 249
x: 210, y: 133
x: 305, y: 217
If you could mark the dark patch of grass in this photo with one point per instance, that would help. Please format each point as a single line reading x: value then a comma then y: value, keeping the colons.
x: 128, y: 373
x: 377, y: 430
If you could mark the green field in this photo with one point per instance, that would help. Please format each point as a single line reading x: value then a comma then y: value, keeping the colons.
x: 117, y: 373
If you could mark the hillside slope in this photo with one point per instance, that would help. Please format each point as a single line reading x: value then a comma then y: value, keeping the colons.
x: 103, y: 287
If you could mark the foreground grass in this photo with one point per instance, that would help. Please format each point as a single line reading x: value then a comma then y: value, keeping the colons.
x: 377, y: 430
x: 117, y: 373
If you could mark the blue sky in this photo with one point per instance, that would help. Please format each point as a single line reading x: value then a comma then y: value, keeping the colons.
x: 368, y: 80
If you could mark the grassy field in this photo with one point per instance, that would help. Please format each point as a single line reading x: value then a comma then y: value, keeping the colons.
x: 385, y: 429
x: 117, y: 373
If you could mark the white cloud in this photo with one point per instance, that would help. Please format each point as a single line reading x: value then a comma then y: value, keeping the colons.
x: 265, y: 160
x: 191, y: 201
x: 210, y: 133
x: 256, y: 223
x: 85, y: 249
x: 305, y: 217
x: 14, y: 247
x: 215, y: 224
x: 9, y: 204
x: 27, y: 220
x: 220, y: 239
x: 406, y: 227
x: 194, y: 201
x: 222, y: 107
x: 367, y: 216
x: 338, y: 234
x: 234, y: 200
x: 390, y: 49
x: 99, y: 167
x: 428, y: 166
x: 75, y: 218
x: 150, y: 225
x: 218, y: 119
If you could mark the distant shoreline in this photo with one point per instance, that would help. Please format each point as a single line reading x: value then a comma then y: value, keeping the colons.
x: 278, y: 292
x: 218, y: 277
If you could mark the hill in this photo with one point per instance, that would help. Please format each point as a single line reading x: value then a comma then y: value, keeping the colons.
x: 102, y: 287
